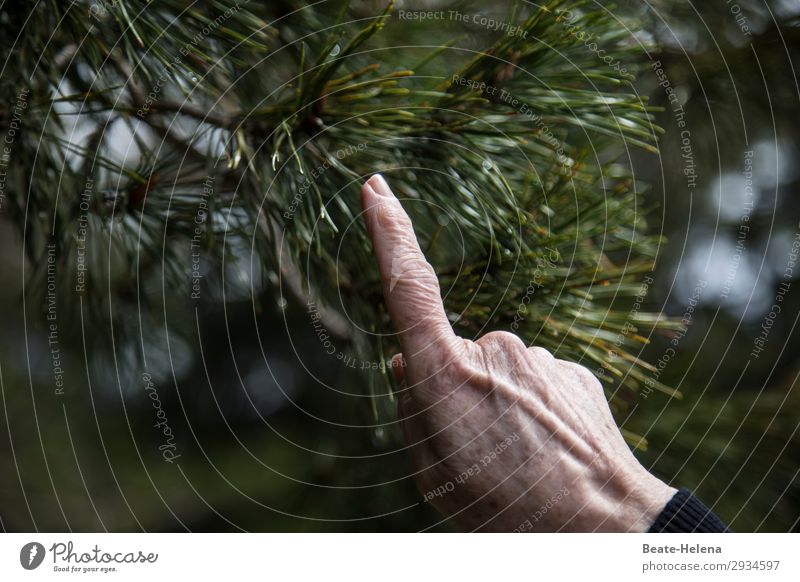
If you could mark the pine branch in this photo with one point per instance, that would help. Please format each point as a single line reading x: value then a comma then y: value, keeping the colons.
x: 515, y: 148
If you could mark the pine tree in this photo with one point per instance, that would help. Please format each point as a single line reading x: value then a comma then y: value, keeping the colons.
x: 154, y: 141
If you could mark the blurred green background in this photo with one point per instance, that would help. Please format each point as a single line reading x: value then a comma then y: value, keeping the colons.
x: 254, y: 451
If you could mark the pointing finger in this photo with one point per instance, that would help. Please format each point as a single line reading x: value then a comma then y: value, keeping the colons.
x: 410, y: 285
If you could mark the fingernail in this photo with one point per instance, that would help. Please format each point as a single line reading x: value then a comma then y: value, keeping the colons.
x: 380, y: 187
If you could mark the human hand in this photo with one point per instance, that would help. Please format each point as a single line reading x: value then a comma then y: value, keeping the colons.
x: 504, y: 437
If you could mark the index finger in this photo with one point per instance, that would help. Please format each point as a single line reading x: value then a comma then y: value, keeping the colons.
x: 410, y: 285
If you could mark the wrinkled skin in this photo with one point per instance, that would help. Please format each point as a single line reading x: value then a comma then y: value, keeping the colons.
x: 504, y: 437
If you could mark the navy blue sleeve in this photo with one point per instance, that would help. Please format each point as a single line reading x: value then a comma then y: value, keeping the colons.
x: 685, y: 513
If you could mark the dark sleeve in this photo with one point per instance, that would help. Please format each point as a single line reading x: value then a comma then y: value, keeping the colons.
x: 685, y: 513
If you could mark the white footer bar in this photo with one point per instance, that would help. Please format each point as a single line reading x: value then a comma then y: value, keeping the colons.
x: 400, y: 557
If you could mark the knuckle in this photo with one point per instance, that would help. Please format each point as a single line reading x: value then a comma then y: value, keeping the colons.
x: 386, y: 215
x: 391, y: 216
x: 540, y: 354
x: 417, y: 278
x: 413, y: 266
x: 583, y: 374
x: 501, y: 339
x: 416, y: 292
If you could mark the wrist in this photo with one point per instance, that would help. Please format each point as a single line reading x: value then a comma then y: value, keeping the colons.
x: 630, y: 501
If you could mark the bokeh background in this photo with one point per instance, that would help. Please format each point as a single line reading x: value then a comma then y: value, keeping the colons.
x: 265, y: 447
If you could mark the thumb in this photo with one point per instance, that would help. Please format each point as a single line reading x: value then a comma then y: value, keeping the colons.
x: 399, y: 371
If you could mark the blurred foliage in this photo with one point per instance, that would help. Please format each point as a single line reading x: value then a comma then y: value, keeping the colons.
x: 734, y: 438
